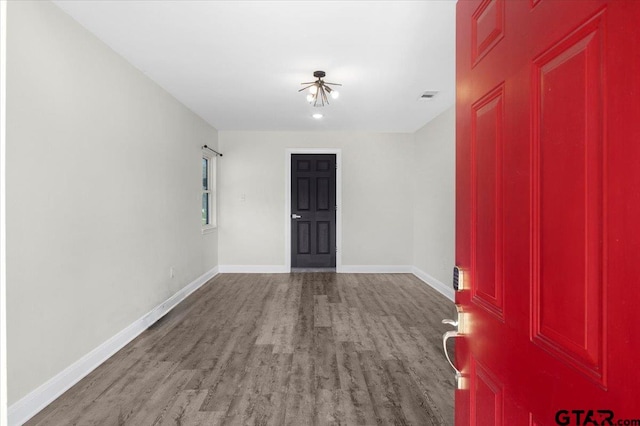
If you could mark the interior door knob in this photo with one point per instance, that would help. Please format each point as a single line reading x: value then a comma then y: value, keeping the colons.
x: 295, y: 216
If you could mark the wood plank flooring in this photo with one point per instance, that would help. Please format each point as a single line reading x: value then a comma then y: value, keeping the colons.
x: 279, y: 349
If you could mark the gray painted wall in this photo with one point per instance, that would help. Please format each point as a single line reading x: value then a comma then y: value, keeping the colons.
x: 434, y: 197
x: 376, y: 195
x: 103, y: 194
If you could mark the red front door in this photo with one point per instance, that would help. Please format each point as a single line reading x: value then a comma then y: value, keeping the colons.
x: 548, y: 211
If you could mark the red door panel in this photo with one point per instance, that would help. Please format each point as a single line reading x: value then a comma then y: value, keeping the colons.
x: 487, y: 128
x: 548, y: 208
x: 567, y: 219
x: 487, y: 27
x: 486, y: 398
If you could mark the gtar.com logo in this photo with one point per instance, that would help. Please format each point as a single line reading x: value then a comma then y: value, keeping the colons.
x: 591, y: 418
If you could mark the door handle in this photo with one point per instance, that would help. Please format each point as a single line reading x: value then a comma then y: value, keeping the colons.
x: 450, y: 322
x: 295, y: 216
x: 446, y: 336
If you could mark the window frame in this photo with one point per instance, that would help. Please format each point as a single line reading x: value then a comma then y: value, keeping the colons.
x: 211, y: 191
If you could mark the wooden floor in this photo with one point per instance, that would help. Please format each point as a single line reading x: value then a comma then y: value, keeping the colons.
x: 279, y: 349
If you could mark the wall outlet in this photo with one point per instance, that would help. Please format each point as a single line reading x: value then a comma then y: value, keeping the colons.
x: 172, y: 272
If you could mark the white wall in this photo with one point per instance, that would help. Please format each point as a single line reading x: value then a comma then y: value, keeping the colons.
x: 103, y: 194
x: 376, y: 195
x: 3, y: 251
x: 434, y: 198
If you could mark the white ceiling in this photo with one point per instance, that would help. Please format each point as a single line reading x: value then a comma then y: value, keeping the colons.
x: 239, y: 64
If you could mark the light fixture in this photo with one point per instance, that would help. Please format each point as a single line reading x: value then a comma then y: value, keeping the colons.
x: 319, y: 89
x: 317, y: 116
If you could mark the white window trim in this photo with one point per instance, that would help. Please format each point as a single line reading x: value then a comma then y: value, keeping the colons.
x: 213, y: 205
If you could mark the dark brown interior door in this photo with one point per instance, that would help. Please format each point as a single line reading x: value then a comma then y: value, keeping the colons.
x: 313, y: 211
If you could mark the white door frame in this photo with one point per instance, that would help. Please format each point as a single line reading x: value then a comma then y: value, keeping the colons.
x: 287, y: 202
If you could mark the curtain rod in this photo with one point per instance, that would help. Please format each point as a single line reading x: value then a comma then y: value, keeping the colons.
x: 206, y: 147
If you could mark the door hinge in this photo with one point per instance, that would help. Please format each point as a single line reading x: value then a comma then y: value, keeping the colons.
x: 336, y: 207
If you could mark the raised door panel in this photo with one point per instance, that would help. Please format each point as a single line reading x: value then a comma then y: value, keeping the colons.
x: 304, y: 194
x: 304, y: 237
x: 323, y: 165
x: 323, y: 198
x: 487, y: 133
x: 303, y: 165
x: 487, y: 397
x: 487, y: 28
x: 568, y: 288
x: 323, y: 235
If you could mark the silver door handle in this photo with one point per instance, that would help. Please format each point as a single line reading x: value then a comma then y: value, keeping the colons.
x: 450, y: 322
x: 295, y: 216
x: 446, y: 336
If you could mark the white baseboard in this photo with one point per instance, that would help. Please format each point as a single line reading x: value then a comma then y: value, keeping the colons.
x: 351, y: 269
x: 376, y: 269
x: 435, y: 284
x: 36, y: 400
x: 253, y: 269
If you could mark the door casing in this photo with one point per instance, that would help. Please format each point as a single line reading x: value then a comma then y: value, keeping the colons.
x: 287, y: 201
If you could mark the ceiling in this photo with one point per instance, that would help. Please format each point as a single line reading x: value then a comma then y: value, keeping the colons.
x: 239, y: 64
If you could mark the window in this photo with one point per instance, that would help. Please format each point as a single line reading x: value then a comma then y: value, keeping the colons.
x: 208, y: 192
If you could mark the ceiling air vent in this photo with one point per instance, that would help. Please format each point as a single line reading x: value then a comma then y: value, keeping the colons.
x: 428, y: 95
